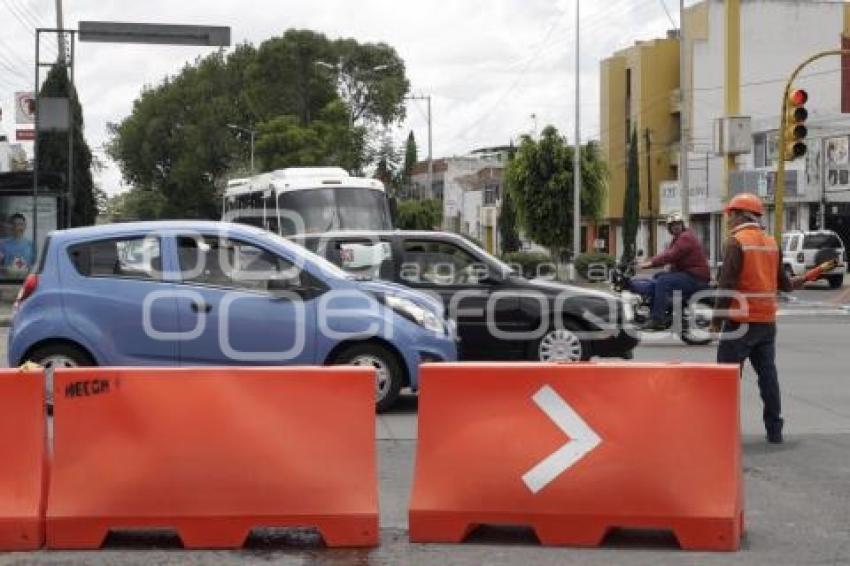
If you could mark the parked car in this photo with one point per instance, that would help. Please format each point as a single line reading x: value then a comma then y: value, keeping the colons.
x: 212, y: 293
x: 535, y: 319
x: 801, y: 251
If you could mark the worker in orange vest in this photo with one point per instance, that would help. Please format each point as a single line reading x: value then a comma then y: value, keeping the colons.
x: 753, y: 270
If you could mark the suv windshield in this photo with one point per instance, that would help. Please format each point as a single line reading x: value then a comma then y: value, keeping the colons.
x: 820, y: 241
x: 333, y: 208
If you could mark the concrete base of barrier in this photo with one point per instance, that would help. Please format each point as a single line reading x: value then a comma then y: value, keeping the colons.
x: 580, y: 531
x: 210, y: 533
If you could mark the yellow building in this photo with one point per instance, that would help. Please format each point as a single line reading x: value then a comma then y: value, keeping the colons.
x: 638, y: 91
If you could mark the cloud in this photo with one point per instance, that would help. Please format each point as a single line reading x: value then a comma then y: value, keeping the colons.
x: 488, y: 64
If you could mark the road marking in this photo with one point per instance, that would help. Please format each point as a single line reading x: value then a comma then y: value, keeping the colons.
x: 582, y: 440
x: 834, y: 311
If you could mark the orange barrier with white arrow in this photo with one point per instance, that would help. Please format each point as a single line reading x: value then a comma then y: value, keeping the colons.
x: 574, y: 450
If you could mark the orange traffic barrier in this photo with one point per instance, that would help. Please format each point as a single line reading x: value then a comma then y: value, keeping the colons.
x: 576, y: 450
x: 23, y: 462
x: 213, y: 453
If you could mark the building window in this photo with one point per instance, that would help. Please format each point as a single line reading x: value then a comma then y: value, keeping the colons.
x: 491, y: 194
x: 760, y: 150
x: 437, y: 190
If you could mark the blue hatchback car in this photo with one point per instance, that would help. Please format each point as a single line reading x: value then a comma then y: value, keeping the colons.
x: 212, y: 293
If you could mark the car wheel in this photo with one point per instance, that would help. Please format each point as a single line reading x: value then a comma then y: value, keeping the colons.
x: 58, y: 356
x: 562, y: 345
x: 835, y: 281
x: 389, y: 374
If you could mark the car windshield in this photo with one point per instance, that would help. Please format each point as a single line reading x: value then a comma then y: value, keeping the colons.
x: 310, y: 211
x: 820, y: 241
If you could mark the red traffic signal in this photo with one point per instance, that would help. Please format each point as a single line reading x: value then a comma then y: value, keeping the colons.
x: 798, y: 97
x: 795, y: 128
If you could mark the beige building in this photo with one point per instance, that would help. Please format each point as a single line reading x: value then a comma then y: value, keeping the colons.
x: 638, y: 92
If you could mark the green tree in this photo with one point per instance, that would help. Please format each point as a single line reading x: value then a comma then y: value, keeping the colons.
x: 176, y: 142
x: 508, y: 235
x: 386, y: 170
x: 631, y: 204
x: 53, y: 150
x: 419, y: 214
x: 285, y: 142
x: 372, y: 81
x: 411, y: 156
x: 540, y: 180
x: 135, y: 204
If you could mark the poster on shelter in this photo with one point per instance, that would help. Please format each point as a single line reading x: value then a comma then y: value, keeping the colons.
x: 17, y: 249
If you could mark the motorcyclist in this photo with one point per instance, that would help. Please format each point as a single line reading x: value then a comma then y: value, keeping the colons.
x: 688, y: 271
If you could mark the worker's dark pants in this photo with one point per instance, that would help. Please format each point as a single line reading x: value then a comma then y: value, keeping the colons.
x: 759, y: 345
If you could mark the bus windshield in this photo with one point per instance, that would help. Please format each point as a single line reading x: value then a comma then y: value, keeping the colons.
x: 333, y: 208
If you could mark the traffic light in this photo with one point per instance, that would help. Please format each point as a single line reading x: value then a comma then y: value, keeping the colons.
x: 795, y: 125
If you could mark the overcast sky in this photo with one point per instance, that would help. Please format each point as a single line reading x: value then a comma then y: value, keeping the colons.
x: 488, y: 64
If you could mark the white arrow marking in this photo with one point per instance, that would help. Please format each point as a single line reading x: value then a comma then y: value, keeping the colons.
x: 582, y: 440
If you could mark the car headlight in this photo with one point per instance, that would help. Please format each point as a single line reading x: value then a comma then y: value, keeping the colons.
x: 413, y: 312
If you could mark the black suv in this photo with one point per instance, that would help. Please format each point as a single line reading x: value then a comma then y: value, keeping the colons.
x: 500, y: 315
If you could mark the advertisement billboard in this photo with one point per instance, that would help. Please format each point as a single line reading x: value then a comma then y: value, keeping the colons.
x: 17, y: 252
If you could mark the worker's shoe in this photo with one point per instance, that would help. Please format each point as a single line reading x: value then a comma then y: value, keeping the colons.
x: 774, y: 436
x: 655, y: 326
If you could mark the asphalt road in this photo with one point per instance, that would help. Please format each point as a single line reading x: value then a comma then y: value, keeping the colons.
x: 797, y: 495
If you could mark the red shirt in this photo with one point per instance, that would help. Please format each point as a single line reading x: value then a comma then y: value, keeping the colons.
x: 685, y: 253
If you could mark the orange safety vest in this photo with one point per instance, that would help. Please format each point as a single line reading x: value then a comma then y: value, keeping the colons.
x: 757, y: 280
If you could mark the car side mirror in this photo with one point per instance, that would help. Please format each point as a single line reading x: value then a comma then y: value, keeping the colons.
x: 493, y: 277
x: 284, y: 286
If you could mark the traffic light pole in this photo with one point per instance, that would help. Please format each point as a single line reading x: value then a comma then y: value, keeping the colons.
x: 779, y: 189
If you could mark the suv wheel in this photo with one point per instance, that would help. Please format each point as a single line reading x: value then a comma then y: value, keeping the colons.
x: 389, y: 374
x: 58, y: 356
x: 835, y: 281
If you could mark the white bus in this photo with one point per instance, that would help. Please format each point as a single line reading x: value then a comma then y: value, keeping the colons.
x: 307, y: 200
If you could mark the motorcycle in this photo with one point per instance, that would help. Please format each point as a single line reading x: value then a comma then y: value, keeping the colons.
x: 689, y: 318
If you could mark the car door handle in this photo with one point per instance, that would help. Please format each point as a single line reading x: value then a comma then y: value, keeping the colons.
x: 198, y: 307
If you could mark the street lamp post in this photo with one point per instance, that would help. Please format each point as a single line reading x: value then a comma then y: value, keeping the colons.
x: 577, y: 157
x: 251, y: 132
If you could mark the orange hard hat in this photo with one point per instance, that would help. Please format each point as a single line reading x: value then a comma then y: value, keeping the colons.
x: 745, y: 201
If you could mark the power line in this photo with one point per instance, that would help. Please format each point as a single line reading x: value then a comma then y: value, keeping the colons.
x: 600, y: 19
x: 27, y: 25
x: 666, y: 11
x: 30, y: 15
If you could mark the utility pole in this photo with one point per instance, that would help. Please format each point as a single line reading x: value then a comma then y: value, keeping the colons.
x: 684, y: 145
x: 649, y: 192
x: 430, y: 153
x: 252, y: 133
x: 732, y: 53
x: 577, y: 158
x: 60, y: 35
